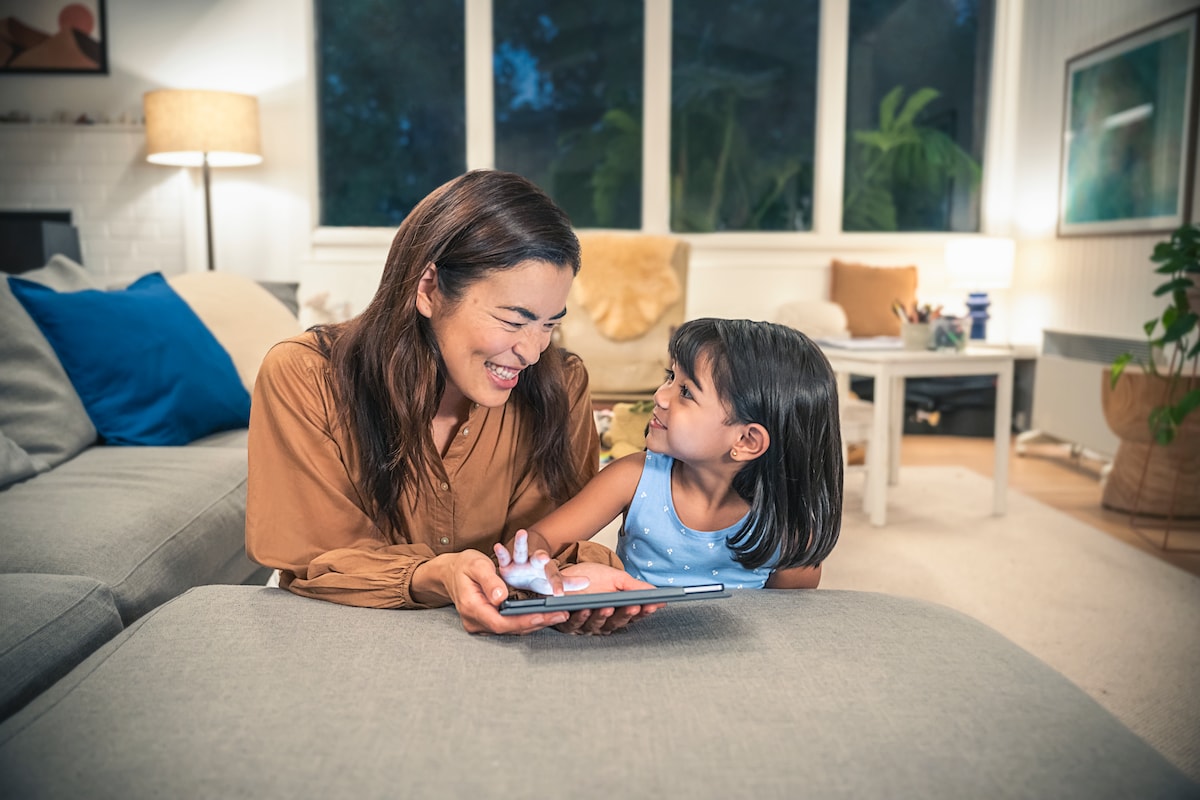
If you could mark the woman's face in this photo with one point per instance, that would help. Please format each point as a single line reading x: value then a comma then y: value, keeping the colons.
x: 501, y: 325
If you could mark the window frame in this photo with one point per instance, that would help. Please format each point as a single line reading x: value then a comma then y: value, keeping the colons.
x: 769, y: 247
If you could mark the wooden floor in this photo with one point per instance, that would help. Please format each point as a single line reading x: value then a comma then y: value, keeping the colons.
x: 1050, y: 475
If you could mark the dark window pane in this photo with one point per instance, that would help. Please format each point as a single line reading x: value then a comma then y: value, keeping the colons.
x: 391, y: 105
x: 568, y: 103
x: 916, y: 112
x: 743, y: 106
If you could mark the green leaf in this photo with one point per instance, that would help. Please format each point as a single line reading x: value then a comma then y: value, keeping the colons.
x: 1149, y: 326
x: 887, y: 107
x: 1118, y: 367
x: 1186, y: 405
x: 1172, y: 286
x: 1162, y: 427
x: 1180, y: 326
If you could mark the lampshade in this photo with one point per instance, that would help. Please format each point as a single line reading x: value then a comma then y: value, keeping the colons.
x: 982, y: 262
x: 182, y: 125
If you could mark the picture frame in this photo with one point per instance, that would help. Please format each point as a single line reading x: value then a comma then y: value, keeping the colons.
x: 1129, y: 122
x: 53, y: 37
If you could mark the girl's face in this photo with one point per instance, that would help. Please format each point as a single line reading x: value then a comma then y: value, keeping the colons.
x: 690, y: 421
x: 501, y: 325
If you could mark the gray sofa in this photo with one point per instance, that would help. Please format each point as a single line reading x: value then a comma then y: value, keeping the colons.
x: 237, y: 691
x: 95, y: 536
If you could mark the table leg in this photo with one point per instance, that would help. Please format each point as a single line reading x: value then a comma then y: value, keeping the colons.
x: 878, y: 449
x: 895, y: 430
x: 1003, y: 423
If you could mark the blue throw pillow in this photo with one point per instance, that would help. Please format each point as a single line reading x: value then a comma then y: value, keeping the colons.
x: 147, y: 369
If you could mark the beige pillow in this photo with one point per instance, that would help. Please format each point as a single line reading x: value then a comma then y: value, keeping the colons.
x: 866, y: 294
x: 244, y: 317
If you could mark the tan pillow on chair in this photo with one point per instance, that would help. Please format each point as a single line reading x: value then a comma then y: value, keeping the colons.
x: 866, y: 294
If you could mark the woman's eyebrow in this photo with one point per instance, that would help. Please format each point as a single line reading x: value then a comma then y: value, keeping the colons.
x: 529, y: 315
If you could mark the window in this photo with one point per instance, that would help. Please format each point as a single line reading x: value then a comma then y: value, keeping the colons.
x: 743, y: 111
x: 916, y: 106
x: 558, y: 93
x: 391, y: 106
x: 568, y: 104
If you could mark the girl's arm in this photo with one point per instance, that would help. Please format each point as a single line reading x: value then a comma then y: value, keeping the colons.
x: 527, y: 565
x: 795, y: 578
x: 597, y: 504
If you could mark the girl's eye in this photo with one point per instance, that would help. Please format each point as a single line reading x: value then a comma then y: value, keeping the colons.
x: 685, y: 392
x: 669, y: 377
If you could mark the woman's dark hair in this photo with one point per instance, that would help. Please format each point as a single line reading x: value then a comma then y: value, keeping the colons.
x: 774, y: 375
x: 386, y: 366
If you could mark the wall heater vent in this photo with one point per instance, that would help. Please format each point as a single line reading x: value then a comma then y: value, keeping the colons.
x: 1066, y: 390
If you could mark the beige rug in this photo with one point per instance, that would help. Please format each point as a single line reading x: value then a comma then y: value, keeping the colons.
x: 1121, y: 624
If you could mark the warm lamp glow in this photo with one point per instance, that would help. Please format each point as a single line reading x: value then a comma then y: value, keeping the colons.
x: 978, y: 264
x: 199, y: 128
x: 981, y: 262
x: 185, y: 125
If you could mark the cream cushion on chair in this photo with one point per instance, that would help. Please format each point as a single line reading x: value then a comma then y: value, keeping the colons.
x: 622, y: 308
x: 244, y: 317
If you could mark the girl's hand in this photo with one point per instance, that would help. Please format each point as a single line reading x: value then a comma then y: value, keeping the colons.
x: 537, y: 573
x: 603, y: 578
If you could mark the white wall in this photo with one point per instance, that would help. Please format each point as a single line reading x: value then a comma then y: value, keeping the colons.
x: 263, y: 216
x: 1096, y: 285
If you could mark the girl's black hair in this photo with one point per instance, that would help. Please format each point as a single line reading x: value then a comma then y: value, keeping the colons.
x: 777, y: 377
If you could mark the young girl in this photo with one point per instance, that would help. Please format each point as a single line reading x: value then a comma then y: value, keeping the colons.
x: 741, y: 479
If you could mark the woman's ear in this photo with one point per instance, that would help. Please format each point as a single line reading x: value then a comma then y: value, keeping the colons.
x: 753, y: 442
x: 426, y: 287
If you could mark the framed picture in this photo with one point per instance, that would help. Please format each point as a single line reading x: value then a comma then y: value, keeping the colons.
x: 1129, y: 131
x: 53, y: 37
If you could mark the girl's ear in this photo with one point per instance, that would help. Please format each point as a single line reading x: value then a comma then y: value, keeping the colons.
x: 753, y: 442
x: 425, y: 289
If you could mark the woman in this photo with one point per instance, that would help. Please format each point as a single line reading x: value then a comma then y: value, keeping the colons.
x: 388, y: 453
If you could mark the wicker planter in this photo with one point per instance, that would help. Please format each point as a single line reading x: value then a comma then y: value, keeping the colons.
x: 1147, y: 478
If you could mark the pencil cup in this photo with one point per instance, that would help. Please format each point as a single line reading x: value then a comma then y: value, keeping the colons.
x: 948, y: 334
x: 915, y: 335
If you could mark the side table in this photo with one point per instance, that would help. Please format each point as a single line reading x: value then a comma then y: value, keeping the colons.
x: 890, y: 368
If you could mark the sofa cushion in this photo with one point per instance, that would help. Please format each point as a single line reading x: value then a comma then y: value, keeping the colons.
x: 41, y: 412
x: 866, y: 294
x: 149, y: 522
x: 51, y: 623
x: 145, y: 366
x: 253, y: 692
x: 243, y: 316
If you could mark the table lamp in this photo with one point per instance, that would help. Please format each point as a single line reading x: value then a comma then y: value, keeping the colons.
x: 199, y: 128
x: 978, y: 264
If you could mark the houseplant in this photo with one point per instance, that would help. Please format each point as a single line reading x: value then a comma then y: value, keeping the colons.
x: 1149, y: 403
x: 901, y: 165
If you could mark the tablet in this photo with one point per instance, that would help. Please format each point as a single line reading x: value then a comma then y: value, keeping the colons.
x: 633, y: 597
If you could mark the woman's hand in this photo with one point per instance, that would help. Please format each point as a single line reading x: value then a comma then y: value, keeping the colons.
x: 537, y: 572
x: 603, y: 578
x: 469, y: 580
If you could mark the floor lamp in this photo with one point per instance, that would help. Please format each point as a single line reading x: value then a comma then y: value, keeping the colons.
x: 978, y: 264
x: 199, y: 128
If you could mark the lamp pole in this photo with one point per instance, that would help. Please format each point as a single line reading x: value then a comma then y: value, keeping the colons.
x: 207, y: 214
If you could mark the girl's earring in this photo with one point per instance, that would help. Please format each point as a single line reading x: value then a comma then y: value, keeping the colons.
x: 733, y: 453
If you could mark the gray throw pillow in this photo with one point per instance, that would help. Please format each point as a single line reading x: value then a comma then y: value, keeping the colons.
x: 15, y: 463
x: 40, y: 410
